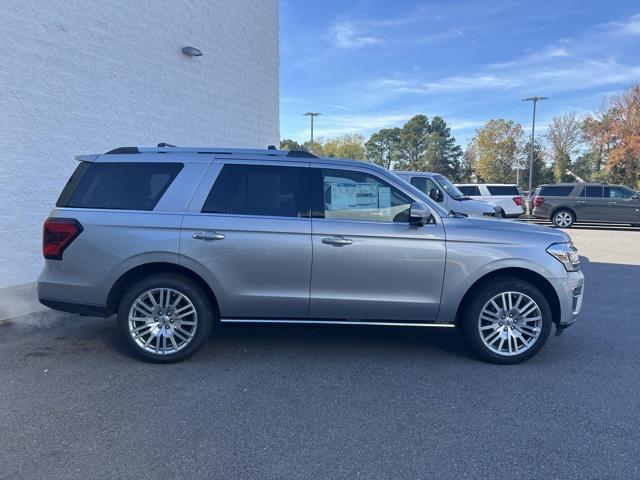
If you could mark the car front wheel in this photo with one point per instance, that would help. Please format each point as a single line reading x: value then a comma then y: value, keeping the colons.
x: 164, y: 318
x: 507, y: 321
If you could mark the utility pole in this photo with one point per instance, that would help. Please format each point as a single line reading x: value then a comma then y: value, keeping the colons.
x: 312, y: 114
x: 535, y: 100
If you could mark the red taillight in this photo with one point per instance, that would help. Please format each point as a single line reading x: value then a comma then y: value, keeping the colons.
x: 538, y: 201
x: 57, y: 234
x: 517, y: 200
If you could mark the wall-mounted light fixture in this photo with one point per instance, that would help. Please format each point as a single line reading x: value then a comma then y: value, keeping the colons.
x: 191, y: 51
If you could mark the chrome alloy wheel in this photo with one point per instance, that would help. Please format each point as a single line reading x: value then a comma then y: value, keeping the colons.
x: 510, y: 323
x: 563, y: 219
x: 162, y: 321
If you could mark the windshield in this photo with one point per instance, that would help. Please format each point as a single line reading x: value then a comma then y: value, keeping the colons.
x: 449, y: 187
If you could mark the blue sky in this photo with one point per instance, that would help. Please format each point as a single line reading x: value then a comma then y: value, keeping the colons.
x: 371, y: 64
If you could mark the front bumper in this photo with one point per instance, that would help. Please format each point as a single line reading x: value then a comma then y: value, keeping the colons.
x: 570, y: 292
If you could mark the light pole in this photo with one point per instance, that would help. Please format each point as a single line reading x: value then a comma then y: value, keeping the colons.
x: 518, y: 168
x: 535, y: 100
x: 312, y: 114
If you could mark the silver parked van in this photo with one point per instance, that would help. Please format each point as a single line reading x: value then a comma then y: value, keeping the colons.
x: 442, y: 191
x: 173, y: 240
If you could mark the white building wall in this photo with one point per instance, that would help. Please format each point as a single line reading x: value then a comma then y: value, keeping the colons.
x: 82, y: 76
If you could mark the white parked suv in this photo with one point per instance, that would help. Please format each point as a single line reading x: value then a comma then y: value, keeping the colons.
x: 507, y: 197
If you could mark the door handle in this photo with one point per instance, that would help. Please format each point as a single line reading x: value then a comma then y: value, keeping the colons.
x: 613, y: 203
x: 208, y: 236
x: 337, y: 241
x: 581, y: 201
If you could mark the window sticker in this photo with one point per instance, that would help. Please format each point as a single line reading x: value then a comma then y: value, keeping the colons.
x: 360, y: 196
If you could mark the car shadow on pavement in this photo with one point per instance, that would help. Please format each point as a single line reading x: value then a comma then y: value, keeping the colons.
x: 355, y: 338
x: 610, y: 300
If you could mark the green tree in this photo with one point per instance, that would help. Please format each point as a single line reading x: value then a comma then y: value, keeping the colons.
x: 413, y: 142
x: 584, y: 166
x: 542, y: 173
x: 288, y: 144
x: 442, y: 155
x: 384, y: 147
x: 497, y: 148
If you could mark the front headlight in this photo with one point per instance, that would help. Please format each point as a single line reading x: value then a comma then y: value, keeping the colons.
x: 567, y: 254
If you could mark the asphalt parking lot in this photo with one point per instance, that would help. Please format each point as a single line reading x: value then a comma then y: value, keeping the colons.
x: 333, y: 402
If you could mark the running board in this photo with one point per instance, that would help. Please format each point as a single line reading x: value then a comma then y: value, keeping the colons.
x: 336, y: 322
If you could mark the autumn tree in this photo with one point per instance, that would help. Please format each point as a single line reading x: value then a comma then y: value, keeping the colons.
x: 623, y: 163
x: 496, y: 148
x: 345, y: 146
x: 288, y: 144
x: 613, y: 133
x: 597, y: 131
x: 466, y: 173
x: 313, y: 147
x: 384, y: 147
x: 564, y: 136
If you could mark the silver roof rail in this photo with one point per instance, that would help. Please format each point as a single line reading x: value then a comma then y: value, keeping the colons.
x: 166, y: 148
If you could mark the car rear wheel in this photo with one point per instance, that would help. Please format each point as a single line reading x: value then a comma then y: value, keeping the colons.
x: 506, y: 322
x: 563, y: 218
x: 164, y: 318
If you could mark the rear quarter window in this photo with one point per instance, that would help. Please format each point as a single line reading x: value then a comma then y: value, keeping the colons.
x: 118, y: 186
x: 555, y: 191
x: 510, y: 190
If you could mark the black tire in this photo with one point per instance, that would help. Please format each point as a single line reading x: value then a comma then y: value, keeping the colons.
x: 501, y: 214
x: 470, y: 324
x: 560, y: 219
x: 183, y: 285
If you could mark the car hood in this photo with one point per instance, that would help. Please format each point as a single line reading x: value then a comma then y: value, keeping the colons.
x: 490, y: 230
x: 471, y: 207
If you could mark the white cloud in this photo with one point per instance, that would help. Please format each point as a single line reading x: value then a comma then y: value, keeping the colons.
x: 335, y: 125
x: 345, y: 35
x: 331, y: 126
x: 630, y: 26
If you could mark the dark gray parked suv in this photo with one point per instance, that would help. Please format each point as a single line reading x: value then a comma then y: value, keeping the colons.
x: 567, y: 203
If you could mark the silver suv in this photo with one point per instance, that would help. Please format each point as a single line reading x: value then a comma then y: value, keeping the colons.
x: 173, y: 240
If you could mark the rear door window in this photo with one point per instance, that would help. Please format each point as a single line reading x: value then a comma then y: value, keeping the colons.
x: 510, y: 190
x: 263, y: 190
x: 555, y: 191
x: 470, y: 190
x: 593, y: 191
x: 118, y: 186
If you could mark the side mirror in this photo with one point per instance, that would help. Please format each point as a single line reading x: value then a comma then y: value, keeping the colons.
x: 419, y: 214
x: 436, y: 195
